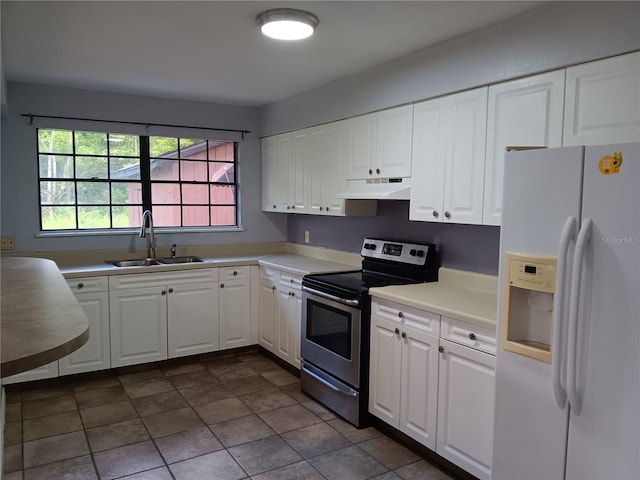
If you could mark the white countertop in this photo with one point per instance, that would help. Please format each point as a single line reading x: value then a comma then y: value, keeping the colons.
x: 290, y: 262
x: 466, y: 296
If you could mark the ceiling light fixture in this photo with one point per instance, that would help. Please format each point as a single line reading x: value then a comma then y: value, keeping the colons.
x: 287, y: 23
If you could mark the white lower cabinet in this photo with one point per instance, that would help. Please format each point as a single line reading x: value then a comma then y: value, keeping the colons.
x: 163, y: 315
x: 465, y: 407
x: 404, y: 369
x: 280, y: 311
x: 92, y: 294
x: 438, y: 392
x: 235, y: 307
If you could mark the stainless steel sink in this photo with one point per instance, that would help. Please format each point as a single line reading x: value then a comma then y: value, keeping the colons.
x: 187, y: 259
x: 141, y: 262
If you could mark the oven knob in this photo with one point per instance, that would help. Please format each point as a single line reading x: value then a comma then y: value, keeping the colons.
x: 420, y: 253
x: 412, y: 252
x: 372, y: 246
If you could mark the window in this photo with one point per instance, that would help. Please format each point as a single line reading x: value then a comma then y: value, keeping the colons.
x: 94, y: 181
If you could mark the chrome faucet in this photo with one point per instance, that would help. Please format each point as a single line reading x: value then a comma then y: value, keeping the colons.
x: 151, y: 238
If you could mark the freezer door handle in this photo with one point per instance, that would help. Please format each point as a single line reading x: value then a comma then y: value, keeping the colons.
x: 574, y: 306
x: 558, y: 356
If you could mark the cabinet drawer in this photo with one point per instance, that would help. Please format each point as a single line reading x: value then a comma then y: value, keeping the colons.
x: 290, y: 280
x: 88, y: 284
x: 232, y: 273
x: 269, y: 274
x: 421, y: 320
x: 474, y: 336
x: 139, y: 280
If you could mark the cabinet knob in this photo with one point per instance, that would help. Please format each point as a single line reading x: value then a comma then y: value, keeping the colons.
x: 400, y: 315
x: 163, y: 292
x: 435, y: 214
x: 404, y: 335
x: 171, y: 290
x: 397, y: 330
x: 293, y: 207
x: 80, y: 285
x: 472, y: 336
x: 326, y: 209
x: 273, y: 287
x: 291, y: 294
x: 274, y: 206
x: 378, y: 171
x: 370, y: 172
x: 441, y: 349
x: 235, y: 272
x: 447, y: 215
x: 222, y: 285
x: 321, y: 208
x: 288, y: 207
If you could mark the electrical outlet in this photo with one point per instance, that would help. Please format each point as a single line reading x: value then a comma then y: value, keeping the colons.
x: 306, y: 236
x: 8, y: 243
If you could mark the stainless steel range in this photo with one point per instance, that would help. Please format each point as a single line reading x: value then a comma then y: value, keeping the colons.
x: 336, y: 317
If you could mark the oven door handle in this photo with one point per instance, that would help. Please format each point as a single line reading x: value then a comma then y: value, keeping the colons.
x: 328, y: 296
x: 318, y: 378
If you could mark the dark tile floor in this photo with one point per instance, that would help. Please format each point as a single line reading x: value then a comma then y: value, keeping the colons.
x: 230, y: 418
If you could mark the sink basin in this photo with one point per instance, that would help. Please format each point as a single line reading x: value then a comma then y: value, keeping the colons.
x: 142, y: 262
x: 188, y: 259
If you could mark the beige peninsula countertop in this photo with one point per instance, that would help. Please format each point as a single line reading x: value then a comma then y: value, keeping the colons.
x: 40, y: 319
x: 467, y: 296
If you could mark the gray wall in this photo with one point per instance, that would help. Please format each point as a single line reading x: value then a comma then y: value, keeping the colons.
x: 18, y: 164
x: 465, y: 247
x: 552, y: 36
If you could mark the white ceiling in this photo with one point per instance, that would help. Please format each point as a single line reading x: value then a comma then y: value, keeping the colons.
x: 213, y: 51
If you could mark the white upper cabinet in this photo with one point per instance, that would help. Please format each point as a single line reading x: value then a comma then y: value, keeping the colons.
x: 381, y: 144
x: 327, y: 154
x: 448, y: 158
x: 298, y: 178
x: 524, y: 112
x: 602, y: 102
x: 283, y: 172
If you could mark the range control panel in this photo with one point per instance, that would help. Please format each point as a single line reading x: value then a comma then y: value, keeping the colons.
x: 411, y: 253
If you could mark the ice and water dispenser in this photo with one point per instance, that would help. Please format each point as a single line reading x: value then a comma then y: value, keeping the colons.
x: 529, y: 291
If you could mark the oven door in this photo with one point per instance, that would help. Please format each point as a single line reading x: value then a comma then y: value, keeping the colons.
x: 331, y: 335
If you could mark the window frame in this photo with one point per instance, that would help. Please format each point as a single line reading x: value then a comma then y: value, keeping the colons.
x: 146, y: 183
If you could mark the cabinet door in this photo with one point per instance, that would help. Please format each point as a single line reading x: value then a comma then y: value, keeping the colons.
x: 282, y: 176
x: 602, y: 102
x: 385, y: 367
x: 525, y: 112
x: 138, y: 325
x: 464, y: 167
x: 295, y: 319
x: 419, y: 381
x: 319, y: 162
x: 328, y: 157
x: 50, y: 370
x: 235, y: 313
x: 269, y: 174
x: 466, y: 408
x: 96, y: 353
x: 192, y: 319
x: 268, y: 301
x: 394, y: 142
x: 283, y: 329
x: 363, y: 146
x: 428, y: 163
x: 298, y: 172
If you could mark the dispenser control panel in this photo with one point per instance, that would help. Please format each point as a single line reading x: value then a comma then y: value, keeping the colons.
x: 533, y: 274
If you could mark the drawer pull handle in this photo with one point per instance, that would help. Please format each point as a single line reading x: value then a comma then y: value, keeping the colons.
x: 472, y: 336
x: 441, y: 349
x: 80, y: 285
x: 397, y: 330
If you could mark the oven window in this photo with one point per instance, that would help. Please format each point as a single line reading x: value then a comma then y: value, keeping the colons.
x: 330, y: 328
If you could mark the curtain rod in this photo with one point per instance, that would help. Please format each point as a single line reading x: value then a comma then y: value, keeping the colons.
x: 146, y: 124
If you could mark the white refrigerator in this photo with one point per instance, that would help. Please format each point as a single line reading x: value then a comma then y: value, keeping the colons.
x: 573, y: 412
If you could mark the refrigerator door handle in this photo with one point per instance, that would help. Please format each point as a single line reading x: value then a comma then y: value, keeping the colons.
x: 558, y: 356
x: 574, y: 304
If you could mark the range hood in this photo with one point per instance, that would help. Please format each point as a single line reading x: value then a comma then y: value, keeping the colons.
x: 377, y: 189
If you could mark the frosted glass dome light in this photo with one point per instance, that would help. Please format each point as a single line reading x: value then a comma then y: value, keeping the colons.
x: 287, y: 23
